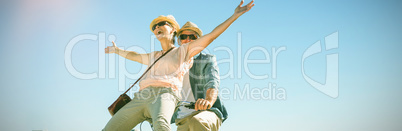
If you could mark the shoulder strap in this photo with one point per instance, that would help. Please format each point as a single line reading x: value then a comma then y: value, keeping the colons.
x: 148, y: 69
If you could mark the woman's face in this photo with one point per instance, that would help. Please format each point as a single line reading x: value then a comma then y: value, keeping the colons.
x: 163, y: 30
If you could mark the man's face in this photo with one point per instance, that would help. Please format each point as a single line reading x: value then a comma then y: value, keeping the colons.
x: 187, y: 36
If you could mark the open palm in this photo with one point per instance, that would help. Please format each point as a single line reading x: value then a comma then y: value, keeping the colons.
x: 111, y: 49
x: 243, y: 9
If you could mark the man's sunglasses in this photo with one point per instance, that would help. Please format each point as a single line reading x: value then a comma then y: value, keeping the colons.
x: 184, y: 36
x: 160, y: 24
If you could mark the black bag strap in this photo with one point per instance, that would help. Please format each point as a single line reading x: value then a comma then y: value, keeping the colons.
x: 148, y: 69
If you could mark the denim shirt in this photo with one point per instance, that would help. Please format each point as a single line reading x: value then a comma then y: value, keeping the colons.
x: 204, y: 74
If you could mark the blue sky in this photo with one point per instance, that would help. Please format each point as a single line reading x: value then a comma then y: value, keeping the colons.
x: 38, y: 92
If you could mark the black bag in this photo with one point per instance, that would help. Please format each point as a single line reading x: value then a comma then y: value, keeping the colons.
x: 119, y: 103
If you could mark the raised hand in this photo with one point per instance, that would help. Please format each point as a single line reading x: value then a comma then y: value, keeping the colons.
x: 243, y: 9
x: 111, y: 49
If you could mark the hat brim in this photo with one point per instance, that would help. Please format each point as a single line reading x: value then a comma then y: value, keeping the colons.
x: 160, y: 19
x: 196, y: 30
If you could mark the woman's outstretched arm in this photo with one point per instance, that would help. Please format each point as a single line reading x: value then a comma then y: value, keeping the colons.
x: 198, y: 45
x: 131, y: 55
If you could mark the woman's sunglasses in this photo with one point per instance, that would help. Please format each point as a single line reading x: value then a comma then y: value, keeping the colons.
x: 160, y: 24
x: 184, y: 36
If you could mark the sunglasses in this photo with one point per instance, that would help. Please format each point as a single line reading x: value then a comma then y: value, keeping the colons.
x: 184, y: 36
x: 160, y: 24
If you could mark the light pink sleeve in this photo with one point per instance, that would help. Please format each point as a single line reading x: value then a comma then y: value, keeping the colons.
x: 184, y: 53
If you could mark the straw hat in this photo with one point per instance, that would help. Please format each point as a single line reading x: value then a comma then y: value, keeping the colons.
x: 168, y: 18
x: 190, y: 26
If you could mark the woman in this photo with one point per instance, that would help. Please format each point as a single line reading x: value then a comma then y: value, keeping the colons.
x: 158, y: 97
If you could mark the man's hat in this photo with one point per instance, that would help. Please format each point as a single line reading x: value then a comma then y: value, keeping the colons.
x: 168, y: 18
x: 190, y: 26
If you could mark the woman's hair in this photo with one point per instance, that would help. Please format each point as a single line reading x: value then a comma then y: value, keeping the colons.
x: 174, y: 33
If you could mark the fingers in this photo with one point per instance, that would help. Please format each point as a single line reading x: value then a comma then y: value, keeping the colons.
x: 197, y: 104
x: 250, y: 7
x: 110, y: 49
x: 243, y: 9
x: 250, y: 3
x: 202, y: 104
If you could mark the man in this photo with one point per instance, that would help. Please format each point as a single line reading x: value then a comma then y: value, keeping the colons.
x: 200, y: 86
